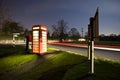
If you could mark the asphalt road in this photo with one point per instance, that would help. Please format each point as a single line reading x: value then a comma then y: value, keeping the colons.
x: 107, y: 54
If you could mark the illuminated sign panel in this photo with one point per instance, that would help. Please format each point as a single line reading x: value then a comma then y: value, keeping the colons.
x: 35, y: 41
x: 39, y: 43
x: 36, y: 27
x: 44, y: 41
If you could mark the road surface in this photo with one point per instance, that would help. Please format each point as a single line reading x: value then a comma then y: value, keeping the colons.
x: 99, y: 53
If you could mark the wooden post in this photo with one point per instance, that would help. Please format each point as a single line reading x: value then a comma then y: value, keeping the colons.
x: 91, y: 46
x: 13, y: 40
x: 27, y: 43
x: 89, y: 50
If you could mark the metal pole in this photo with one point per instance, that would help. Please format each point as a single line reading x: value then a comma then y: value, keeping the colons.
x: 92, y: 57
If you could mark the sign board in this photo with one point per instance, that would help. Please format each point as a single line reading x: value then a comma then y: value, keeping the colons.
x: 39, y: 43
x: 93, y: 35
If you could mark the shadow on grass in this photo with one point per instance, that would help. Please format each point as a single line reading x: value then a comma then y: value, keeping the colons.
x: 50, y: 53
x: 59, y: 72
x: 86, y: 77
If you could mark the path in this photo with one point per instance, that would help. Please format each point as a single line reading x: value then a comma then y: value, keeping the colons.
x: 14, y: 74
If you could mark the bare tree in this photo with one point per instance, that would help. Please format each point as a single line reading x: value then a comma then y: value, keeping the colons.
x: 4, y: 13
x: 74, y: 34
x: 60, y: 30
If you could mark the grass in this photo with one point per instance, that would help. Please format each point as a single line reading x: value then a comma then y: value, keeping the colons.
x: 67, y: 66
x: 56, y: 66
x: 13, y: 57
x: 8, y: 50
x: 59, y: 66
x: 111, y: 43
x: 12, y: 62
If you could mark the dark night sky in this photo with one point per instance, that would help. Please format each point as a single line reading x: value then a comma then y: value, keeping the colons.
x: 75, y: 12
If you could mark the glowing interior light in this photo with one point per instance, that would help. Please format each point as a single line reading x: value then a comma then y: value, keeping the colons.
x: 43, y: 28
x: 35, y: 33
x: 39, y: 39
x: 44, y: 37
x: 36, y: 27
x: 35, y: 41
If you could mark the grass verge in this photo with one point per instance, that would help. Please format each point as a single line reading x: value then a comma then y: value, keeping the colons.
x: 10, y: 63
x: 109, y: 43
x: 56, y: 65
x: 12, y: 58
x: 67, y: 66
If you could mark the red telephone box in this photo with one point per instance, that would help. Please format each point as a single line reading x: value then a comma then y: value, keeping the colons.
x: 39, y: 42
